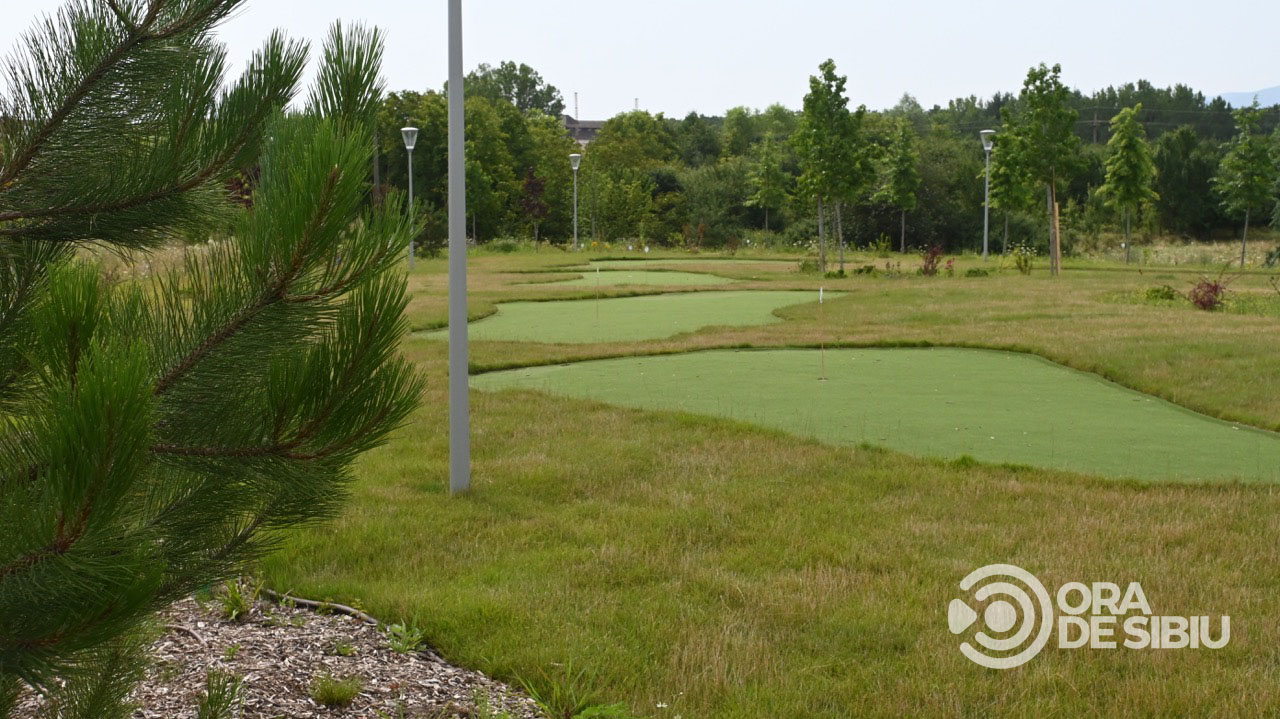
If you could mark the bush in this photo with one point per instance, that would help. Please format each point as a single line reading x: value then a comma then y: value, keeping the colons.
x: 809, y: 267
x: 881, y: 247
x: 929, y: 260
x: 1209, y: 294
x: 505, y: 247
x: 1023, y: 258
x: 976, y: 272
x: 836, y: 275
x: 865, y: 270
x: 1163, y: 292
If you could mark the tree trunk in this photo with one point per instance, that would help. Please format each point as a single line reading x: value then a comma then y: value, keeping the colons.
x: 1128, y: 241
x: 1005, y: 242
x: 840, y: 230
x: 822, y: 240
x: 766, y: 219
x: 1055, y: 250
x: 1244, y: 240
x: 904, y: 231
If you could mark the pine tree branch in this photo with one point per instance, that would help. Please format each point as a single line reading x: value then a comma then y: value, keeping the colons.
x: 274, y: 294
x: 196, y: 180
x: 76, y: 96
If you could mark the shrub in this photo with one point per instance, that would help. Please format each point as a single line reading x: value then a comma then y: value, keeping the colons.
x: 505, y: 247
x: 1023, y: 258
x: 1208, y: 294
x: 836, y: 275
x: 329, y: 691
x: 976, y: 272
x: 865, y: 270
x: 1162, y: 292
x: 950, y: 267
x: 930, y: 257
x: 809, y: 266
x: 881, y: 247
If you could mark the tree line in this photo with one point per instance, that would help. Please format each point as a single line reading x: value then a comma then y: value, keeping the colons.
x: 905, y: 177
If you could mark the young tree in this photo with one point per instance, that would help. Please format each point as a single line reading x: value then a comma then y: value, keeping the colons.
x: 1246, y: 179
x: 156, y: 435
x: 819, y: 142
x: 1045, y: 146
x: 533, y: 201
x: 1011, y: 189
x: 1185, y: 167
x: 901, y: 176
x: 768, y: 180
x: 1130, y: 169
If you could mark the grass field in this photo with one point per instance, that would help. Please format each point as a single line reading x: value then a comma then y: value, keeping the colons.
x: 644, y: 277
x: 626, y: 319
x: 945, y: 403
x: 699, y: 567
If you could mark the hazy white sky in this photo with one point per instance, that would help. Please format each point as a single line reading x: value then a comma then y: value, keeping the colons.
x: 709, y: 55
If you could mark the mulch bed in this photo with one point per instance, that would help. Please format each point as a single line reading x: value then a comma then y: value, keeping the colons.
x: 279, y: 651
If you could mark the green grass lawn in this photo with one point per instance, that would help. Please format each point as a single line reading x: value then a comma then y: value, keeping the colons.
x: 625, y: 319
x: 993, y: 406
x: 725, y: 570
x: 643, y: 277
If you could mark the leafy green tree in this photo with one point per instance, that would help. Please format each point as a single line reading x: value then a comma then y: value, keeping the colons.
x: 823, y: 142
x: 533, y: 201
x: 716, y: 198
x: 1185, y: 168
x: 551, y: 148
x: 1247, y: 176
x: 699, y: 140
x: 1045, y: 145
x: 519, y: 85
x: 156, y: 435
x: 492, y: 185
x: 901, y: 176
x: 741, y: 132
x: 1130, y: 169
x: 1012, y: 191
x: 769, y: 181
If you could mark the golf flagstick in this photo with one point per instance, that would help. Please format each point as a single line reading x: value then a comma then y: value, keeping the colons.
x: 822, y: 335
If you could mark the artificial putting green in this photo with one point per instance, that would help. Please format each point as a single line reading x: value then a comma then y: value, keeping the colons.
x: 613, y: 278
x: 628, y: 319
x: 993, y: 406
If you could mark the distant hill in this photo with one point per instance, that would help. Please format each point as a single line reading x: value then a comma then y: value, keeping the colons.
x: 1266, y: 98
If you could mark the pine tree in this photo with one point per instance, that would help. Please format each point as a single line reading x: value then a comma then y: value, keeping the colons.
x: 1130, y: 169
x: 156, y: 435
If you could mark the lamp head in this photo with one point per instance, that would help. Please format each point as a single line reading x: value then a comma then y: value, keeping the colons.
x: 575, y: 160
x: 410, y: 135
x: 988, y: 139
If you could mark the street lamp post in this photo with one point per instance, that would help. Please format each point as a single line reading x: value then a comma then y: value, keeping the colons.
x: 575, y: 161
x: 410, y: 135
x: 988, y: 142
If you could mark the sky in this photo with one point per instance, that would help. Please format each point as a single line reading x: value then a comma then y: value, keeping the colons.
x: 677, y: 56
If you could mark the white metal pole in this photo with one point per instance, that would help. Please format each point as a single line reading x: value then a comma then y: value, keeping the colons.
x: 575, y: 209
x: 459, y: 399
x: 411, y: 217
x: 986, y: 210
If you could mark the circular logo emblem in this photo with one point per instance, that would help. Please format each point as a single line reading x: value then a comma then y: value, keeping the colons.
x: 1019, y: 610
